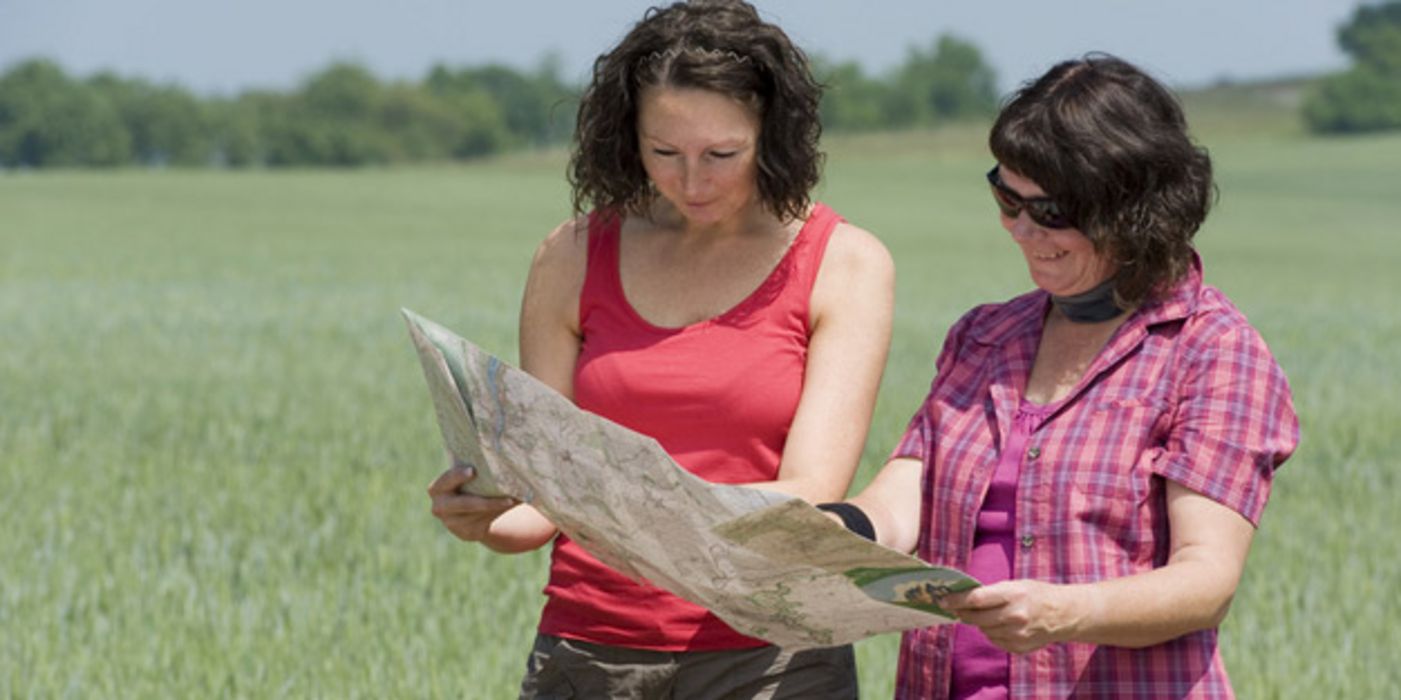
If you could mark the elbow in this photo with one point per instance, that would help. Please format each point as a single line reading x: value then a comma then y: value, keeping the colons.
x: 1189, y: 619
x: 892, y: 531
x: 1210, y: 617
x: 1217, y: 603
x: 520, y: 542
x: 515, y: 546
x: 1218, y: 615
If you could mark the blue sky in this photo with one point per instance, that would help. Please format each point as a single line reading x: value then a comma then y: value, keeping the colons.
x: 224, y: 46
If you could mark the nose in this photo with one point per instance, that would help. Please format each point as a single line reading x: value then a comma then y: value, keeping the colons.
x: 693, y: 178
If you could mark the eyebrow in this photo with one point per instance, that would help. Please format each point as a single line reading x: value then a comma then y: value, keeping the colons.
x: 1002, y: 185
x: 730, y: 144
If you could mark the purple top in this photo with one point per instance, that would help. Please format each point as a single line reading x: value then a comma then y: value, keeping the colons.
x: 979, y: 668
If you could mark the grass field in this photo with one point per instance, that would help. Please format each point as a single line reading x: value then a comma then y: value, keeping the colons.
x: 214, y: 434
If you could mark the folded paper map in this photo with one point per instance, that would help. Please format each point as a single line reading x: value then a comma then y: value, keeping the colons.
x: 769, y: 565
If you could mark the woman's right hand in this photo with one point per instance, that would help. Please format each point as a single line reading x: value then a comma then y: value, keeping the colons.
x: 501, y: 524
x: 549, y: 348
x: 467, y: 516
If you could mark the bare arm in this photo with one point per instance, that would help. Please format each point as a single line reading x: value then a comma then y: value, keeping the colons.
x: 1191, y: 592
x: 852, y: 306
x: 549, y: 348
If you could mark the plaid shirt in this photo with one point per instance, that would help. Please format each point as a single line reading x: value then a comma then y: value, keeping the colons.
x: 1185, y: 390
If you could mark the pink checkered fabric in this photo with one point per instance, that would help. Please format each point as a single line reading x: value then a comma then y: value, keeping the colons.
x: 1185, y: 391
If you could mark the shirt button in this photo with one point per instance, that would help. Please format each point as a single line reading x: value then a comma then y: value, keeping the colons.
x: 1027, y: 541
x: 1033, y: 452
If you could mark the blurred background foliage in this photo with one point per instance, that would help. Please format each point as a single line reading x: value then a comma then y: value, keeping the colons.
x: 346, y: 116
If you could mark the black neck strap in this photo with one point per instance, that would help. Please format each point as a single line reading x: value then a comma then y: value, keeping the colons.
x: 1090, y: 307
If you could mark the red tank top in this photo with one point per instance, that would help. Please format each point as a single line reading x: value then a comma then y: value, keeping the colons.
x: 718, y: 395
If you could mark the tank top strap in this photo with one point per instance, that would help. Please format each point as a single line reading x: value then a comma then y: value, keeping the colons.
x: 803, y: 262
x: 811, y: 245
x: 601, y: 281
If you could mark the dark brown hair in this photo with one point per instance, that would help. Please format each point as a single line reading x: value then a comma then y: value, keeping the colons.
x: 718, y: 45
x: 1110, y: 145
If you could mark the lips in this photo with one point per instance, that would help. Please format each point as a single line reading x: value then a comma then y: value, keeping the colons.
x: 1052, y: 257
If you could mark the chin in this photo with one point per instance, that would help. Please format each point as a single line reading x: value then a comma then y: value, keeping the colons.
x: 1044, y: 284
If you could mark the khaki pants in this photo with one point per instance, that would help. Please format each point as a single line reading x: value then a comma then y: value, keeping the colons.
x: 565, y: 668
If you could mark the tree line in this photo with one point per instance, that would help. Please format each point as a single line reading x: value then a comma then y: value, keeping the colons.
x: 1366, y: 97
x: 341, y: 116
x: 344, y: 115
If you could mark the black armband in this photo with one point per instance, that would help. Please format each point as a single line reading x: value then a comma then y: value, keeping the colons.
x: 852, y: 517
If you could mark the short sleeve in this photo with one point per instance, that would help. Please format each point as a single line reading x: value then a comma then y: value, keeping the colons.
x: 918, y: 437
x: 1234, y: 423
x: 915, y: 442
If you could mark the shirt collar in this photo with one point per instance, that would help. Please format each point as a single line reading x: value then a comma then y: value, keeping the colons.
x: 1001, y: 322
x: 1179, y: 302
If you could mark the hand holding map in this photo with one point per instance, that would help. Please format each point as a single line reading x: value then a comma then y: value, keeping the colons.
x: 769, y: 565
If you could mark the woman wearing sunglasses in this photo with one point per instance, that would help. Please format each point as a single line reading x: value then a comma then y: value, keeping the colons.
x: 1098, y: 451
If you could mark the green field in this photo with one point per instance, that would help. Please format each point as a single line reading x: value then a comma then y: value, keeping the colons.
x: 215, y: 437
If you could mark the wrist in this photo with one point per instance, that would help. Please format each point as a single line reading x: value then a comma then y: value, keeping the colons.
x: 1083, y: 611
x: 852, y: 517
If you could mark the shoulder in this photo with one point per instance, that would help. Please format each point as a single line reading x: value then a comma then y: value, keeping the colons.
x: 856, y: 272
x: 1219, y: 331
x: 855, y: 246
x: 1218, y: 352
x: 988, y: 326
x: 1194, y: 313
x: 1207, y: 317
x: 1000, y: 322
x: 557, y: 273
x: 855, y: 255
x: 565, y: 249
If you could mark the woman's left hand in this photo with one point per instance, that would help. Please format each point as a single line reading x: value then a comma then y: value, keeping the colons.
x: 1021, y: 615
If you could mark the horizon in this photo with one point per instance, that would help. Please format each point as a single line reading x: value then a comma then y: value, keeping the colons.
x: 203, y: 46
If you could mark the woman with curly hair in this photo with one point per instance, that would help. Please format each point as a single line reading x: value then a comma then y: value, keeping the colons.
x: 699, y: 297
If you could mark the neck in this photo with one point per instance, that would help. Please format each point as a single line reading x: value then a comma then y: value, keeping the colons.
x: 750, y: 219
x: 1093, y: 306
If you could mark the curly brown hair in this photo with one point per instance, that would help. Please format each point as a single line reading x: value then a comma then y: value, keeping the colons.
x: 717, y: 45
x: 1110, y: 145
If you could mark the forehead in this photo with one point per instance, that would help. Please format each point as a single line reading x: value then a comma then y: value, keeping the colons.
x: 689, y: 114
x: 1019, y: 184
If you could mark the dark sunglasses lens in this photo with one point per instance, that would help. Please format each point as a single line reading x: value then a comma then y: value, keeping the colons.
x: 1048, y: 215
x: 1010, y: 208
x: 1043, y: 211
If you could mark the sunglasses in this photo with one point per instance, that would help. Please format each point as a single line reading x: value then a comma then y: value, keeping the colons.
x: 1042, y: 210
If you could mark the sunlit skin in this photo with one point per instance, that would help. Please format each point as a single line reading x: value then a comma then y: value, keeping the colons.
x: 1061, y: 261
x: 700, y: 149
x: 704, y: 244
